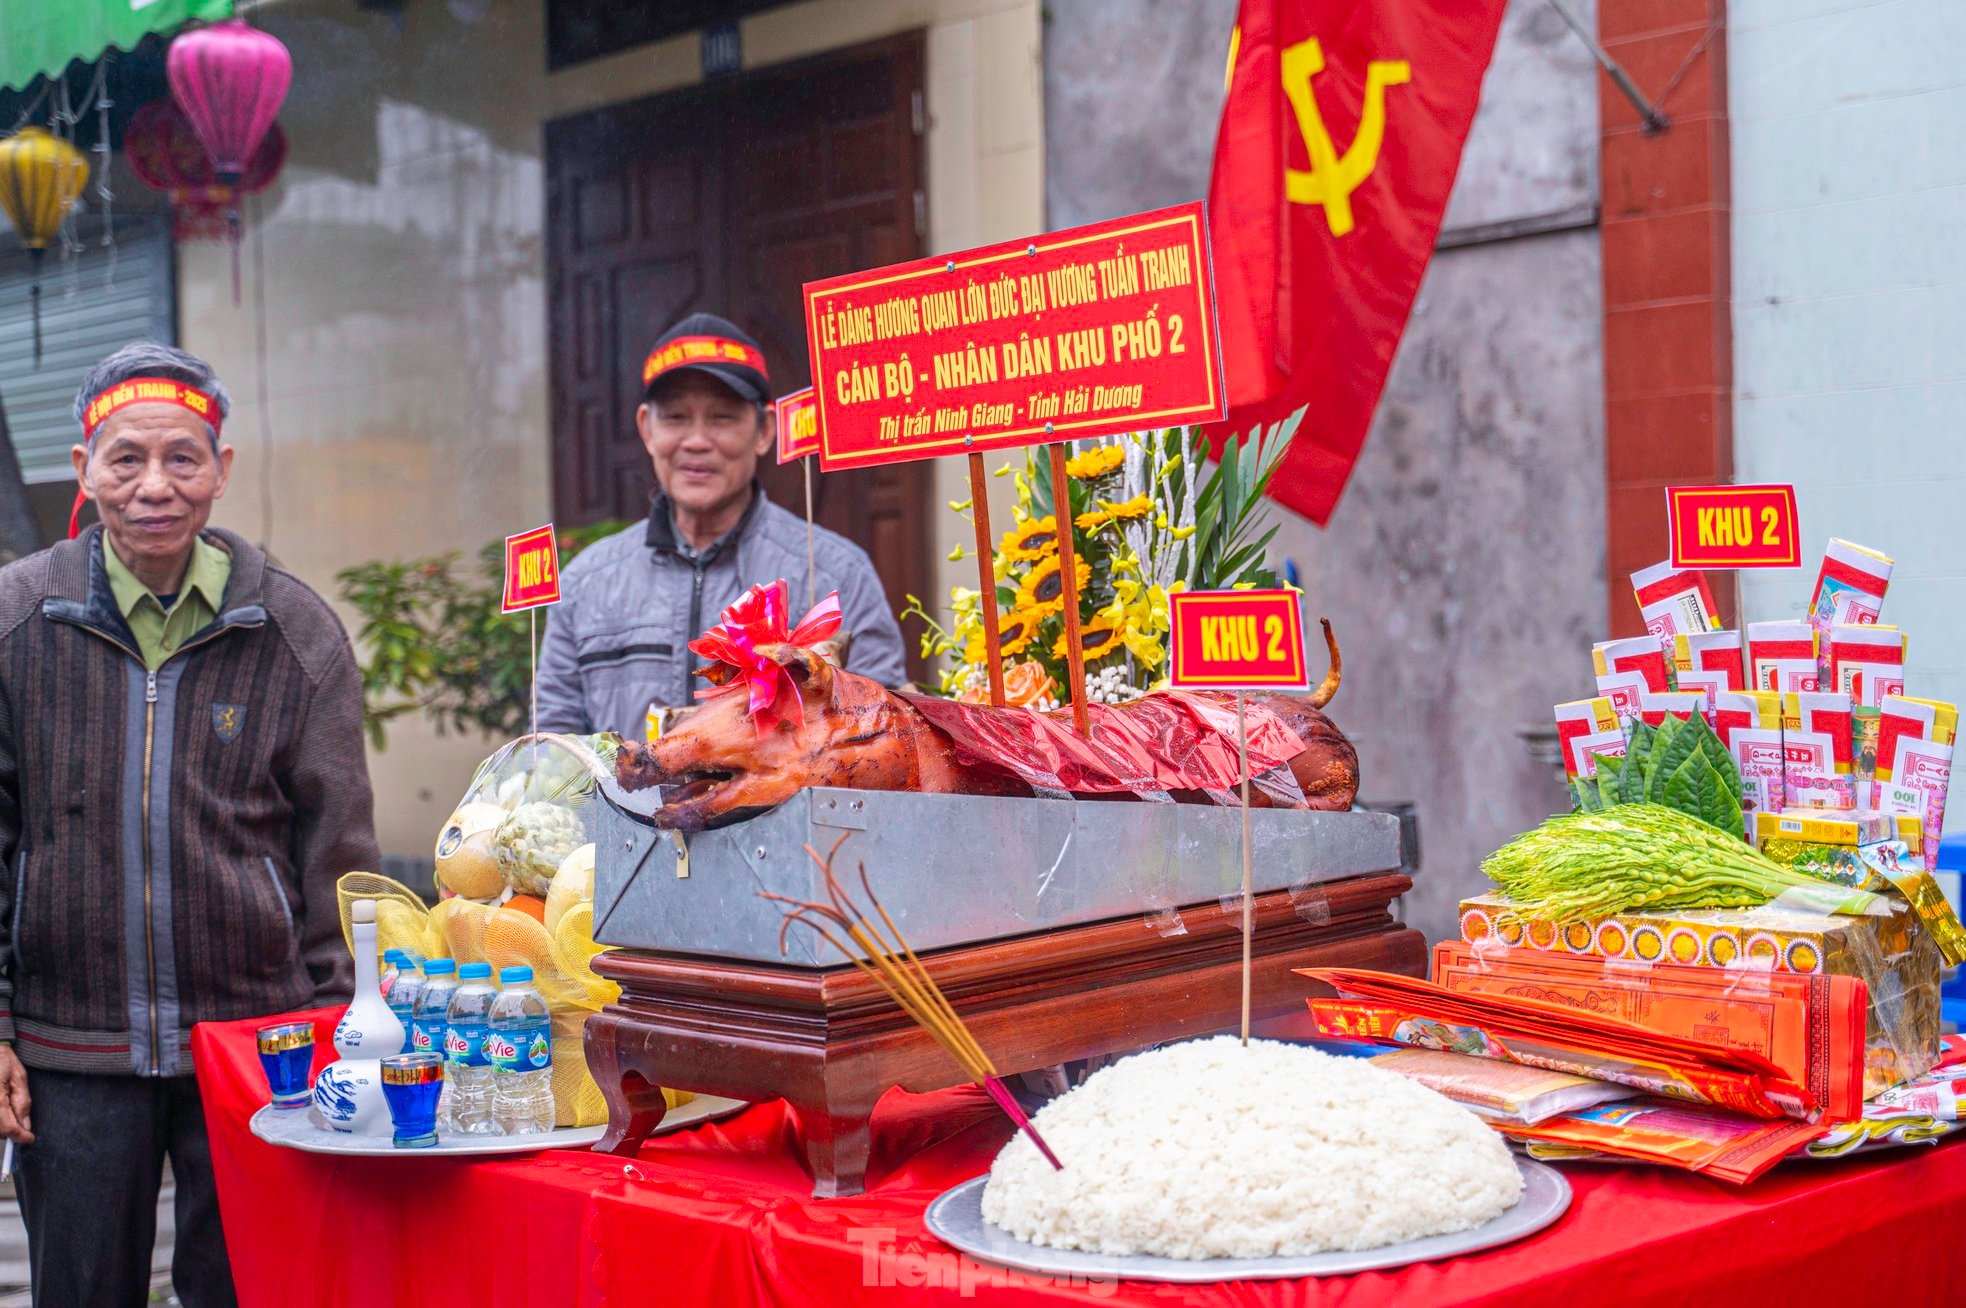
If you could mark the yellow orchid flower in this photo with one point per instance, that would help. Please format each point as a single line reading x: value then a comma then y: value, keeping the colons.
x: 1110, y: 511
x: 1095, y: 462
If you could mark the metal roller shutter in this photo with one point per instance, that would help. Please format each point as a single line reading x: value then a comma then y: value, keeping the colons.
x: 84, y: 315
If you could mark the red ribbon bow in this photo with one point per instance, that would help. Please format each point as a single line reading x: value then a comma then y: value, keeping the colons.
x: 761, y: 617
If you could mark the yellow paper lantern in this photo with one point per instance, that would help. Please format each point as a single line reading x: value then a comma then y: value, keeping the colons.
x: 40, y: 176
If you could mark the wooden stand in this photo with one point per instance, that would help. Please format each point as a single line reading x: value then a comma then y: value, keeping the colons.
x: 830, y: 1043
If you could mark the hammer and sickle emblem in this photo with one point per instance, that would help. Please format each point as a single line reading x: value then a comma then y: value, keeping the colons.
x: 1332, y: 177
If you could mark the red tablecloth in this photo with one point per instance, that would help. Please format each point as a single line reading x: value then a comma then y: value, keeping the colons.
x: 720, y: 1215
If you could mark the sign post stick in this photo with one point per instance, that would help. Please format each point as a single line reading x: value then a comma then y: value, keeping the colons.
x: 1238, y: 640
x: 1248, y: 877
x: 812, y: 583
x: 532, y: 579
x: 986, y: 577
x: 1061, y: 506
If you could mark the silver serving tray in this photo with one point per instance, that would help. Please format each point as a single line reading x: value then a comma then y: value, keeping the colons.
x: 959, y: 869
x: 297, y: 1128
x: 957, y: 1217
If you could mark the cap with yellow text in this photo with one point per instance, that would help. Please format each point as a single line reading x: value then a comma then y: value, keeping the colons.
x: 705, y: 343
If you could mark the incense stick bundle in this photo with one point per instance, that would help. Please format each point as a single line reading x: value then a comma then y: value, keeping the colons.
x: 893, y: 966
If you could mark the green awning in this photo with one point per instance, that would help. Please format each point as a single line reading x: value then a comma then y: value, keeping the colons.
x: 42, y: 36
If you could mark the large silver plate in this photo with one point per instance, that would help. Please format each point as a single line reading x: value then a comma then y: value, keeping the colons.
x: 957, y: 1217
x: 295, y: 1128
x: 960, y: 869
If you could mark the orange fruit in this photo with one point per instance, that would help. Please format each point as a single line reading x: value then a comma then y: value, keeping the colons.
x: 531, y: 905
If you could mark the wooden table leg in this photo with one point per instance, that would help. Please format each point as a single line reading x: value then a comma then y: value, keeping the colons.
x: 838, y: 1143
x: 635, y: 1103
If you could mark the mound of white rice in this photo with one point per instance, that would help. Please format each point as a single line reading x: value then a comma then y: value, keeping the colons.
x: 1210, y: 1150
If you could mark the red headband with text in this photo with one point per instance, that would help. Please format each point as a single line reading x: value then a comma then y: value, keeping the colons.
x: 148, y: 390
x: 688, y: 351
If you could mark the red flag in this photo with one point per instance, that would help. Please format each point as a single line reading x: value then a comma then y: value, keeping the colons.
x: 1339, y: 141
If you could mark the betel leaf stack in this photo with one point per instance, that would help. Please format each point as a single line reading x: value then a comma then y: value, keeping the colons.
x: 1680, y: 764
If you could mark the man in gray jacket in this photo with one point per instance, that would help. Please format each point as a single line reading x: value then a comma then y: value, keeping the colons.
x: 618, y: 641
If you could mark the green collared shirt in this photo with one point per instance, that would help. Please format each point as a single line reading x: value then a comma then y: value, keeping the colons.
x: 160, y: 631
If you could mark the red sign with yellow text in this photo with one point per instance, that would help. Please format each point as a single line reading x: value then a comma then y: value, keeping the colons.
x: 1236, y: 639
x: 532, y: 569
x: 1733, y: 527
x: 1087, y: 332
x: 798, y: 425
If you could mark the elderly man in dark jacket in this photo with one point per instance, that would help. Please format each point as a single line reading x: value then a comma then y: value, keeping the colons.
x: 182, y: 781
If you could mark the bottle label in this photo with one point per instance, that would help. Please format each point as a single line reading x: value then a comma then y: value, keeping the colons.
x: 465, y: 1045
x: 428, y: 1038
x: 520, y: 1048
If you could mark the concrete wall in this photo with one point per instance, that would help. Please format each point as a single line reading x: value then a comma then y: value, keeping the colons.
x: 1849, y: 304
x: 1464, y: 568
x: 406, y: 351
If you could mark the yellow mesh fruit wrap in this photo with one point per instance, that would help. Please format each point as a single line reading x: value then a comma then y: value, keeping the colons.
x: 460, y: 923
x: 574, y: 948
x: 513, y: 938
x: 401, y: 920
x: 577, y: 1101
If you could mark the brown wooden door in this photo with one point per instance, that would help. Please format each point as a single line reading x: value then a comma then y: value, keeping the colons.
x: 728, y: 197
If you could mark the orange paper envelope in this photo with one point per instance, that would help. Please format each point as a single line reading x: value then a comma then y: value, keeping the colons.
x: 1810, y: 1026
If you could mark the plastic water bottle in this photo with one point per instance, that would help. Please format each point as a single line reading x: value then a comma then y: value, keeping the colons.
x: 433, y: 1003
x: 431, y: 1019
x: 402, y: 994
x: 467, y: 1073
x: 520, y: 1047
x: 392, y: 966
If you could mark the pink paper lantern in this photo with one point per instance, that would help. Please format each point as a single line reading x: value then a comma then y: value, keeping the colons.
x: 230, y: 80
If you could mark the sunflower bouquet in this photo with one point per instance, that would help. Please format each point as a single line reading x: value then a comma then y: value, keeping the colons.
x: 1148, y: 517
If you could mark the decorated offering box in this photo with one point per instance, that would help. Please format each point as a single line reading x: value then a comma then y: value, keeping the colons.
x: 1710, y: 654
x: 1819, y: 769
x: 1640, y: 654
x: 1586, y: 728
x: 1674, y: 601
x: 1838, y: 845
x: 1782, y: 657
x: 1893, y: 955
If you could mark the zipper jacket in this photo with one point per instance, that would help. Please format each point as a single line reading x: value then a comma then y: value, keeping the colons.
x: 174, y: 836
x: 619, y: 639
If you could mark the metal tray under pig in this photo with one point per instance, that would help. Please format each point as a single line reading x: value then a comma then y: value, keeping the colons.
x: 958, y: 869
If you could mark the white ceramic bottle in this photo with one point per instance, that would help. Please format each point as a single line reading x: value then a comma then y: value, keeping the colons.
x: 369, y: 1028
x: 348, y: 1093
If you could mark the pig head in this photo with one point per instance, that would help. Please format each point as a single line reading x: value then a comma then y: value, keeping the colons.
x: 715, y: 764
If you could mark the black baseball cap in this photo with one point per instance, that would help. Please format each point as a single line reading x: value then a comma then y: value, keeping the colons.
x: 706, y: 343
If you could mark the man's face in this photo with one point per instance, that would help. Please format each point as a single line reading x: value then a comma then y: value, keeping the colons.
x: 705, y: 441
x: 153, y: 475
